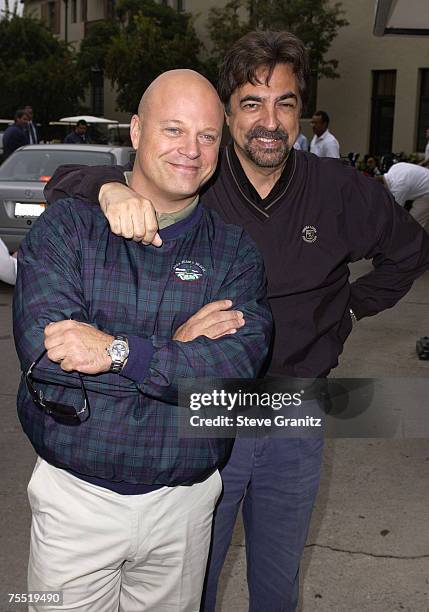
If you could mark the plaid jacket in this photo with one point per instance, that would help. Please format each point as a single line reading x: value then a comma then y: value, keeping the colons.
x: 71, y: 266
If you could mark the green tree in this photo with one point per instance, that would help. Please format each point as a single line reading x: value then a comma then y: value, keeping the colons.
x: 315, y: 22
x: 152, y: 38
x: 94, y: 48
x: 36, y: 69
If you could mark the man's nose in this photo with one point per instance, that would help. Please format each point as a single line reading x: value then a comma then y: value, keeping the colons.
x: 190, y: 147
x: 270, y: 119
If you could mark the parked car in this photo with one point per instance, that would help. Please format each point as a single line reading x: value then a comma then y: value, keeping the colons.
x: 25, y: 173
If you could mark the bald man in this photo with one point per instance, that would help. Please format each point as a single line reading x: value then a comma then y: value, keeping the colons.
x: 122, y: 506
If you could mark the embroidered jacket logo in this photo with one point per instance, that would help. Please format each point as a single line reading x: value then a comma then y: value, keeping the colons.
x: 309, y: 233
x: 188, y: 270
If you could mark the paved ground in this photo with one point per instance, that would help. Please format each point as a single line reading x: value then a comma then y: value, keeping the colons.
x: 368, y: 547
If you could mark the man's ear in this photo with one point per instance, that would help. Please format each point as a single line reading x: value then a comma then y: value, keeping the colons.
x: 226, y: 118
x: 135, y: 131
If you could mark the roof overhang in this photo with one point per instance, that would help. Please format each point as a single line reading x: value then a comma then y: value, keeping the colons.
x: 401, y: 17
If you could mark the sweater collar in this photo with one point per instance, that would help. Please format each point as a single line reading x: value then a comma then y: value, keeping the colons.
x: 170, y: 218
x: 184, y: 225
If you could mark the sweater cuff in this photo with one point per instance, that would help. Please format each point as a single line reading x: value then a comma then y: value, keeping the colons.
x: 139, y: 358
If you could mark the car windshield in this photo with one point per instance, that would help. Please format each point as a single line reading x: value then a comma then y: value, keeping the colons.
x: 40, y: 165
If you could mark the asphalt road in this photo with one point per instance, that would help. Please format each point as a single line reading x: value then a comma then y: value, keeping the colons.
x: 368, y: 547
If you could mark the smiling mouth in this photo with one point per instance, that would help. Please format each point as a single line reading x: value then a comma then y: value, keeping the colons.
x: 185, y: 169
x: 268, y: 142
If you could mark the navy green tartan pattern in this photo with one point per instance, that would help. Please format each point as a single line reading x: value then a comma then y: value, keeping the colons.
x: 72, y: 266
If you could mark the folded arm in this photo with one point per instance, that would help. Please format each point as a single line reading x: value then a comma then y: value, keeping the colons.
x: 50, y: 289
x: 158, y: 364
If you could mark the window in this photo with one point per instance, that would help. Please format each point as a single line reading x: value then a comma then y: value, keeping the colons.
x: 180, y: 5
x: 382, y: 111
x: 423, y: 117
x: 31, y: 165
x: 54, y: 16
x: 73, y: 16
x: 83, y: 10
x: 51, y: 15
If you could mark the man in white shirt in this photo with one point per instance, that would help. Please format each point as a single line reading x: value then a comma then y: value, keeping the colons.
x: 410, y: 182
x: 323, y: 144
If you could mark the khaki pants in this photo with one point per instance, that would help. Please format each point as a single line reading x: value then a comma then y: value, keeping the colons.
x: 110, y: 552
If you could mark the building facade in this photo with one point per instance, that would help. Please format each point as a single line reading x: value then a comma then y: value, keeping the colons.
x: 380, y: 102
x: 70, y: 20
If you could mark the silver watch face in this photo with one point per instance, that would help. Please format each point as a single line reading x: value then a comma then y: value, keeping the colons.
x: 118, y: 350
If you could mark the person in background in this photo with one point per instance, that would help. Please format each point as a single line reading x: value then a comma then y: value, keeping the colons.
x: 16, y: 135
x: 33, y: 136
x: 371, y: 166
x: 323, y: 143
x: 8, y: 265
x: 410, y: 182
x: 301, y: 143
x: 79, y: 135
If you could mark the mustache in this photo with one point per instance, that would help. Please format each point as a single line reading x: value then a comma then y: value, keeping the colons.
x: 261, y: 132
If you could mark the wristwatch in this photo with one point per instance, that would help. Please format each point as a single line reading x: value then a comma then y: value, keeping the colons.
x: 118, y: 351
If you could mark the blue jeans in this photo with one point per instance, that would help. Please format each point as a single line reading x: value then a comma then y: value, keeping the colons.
x: 277, y: 480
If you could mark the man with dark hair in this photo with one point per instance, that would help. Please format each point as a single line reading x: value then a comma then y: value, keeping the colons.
x: 323, y: 143
x: 33, y: 136
x: 79, y: 135
x: 16, y: 135
x: 310, y: 216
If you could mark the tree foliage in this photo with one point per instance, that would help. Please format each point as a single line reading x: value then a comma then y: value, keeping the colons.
x: 95, y: 47
x: 36, y: 69
x: 146, y: 39
x: 152, y: 38
x: 315, y: 22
